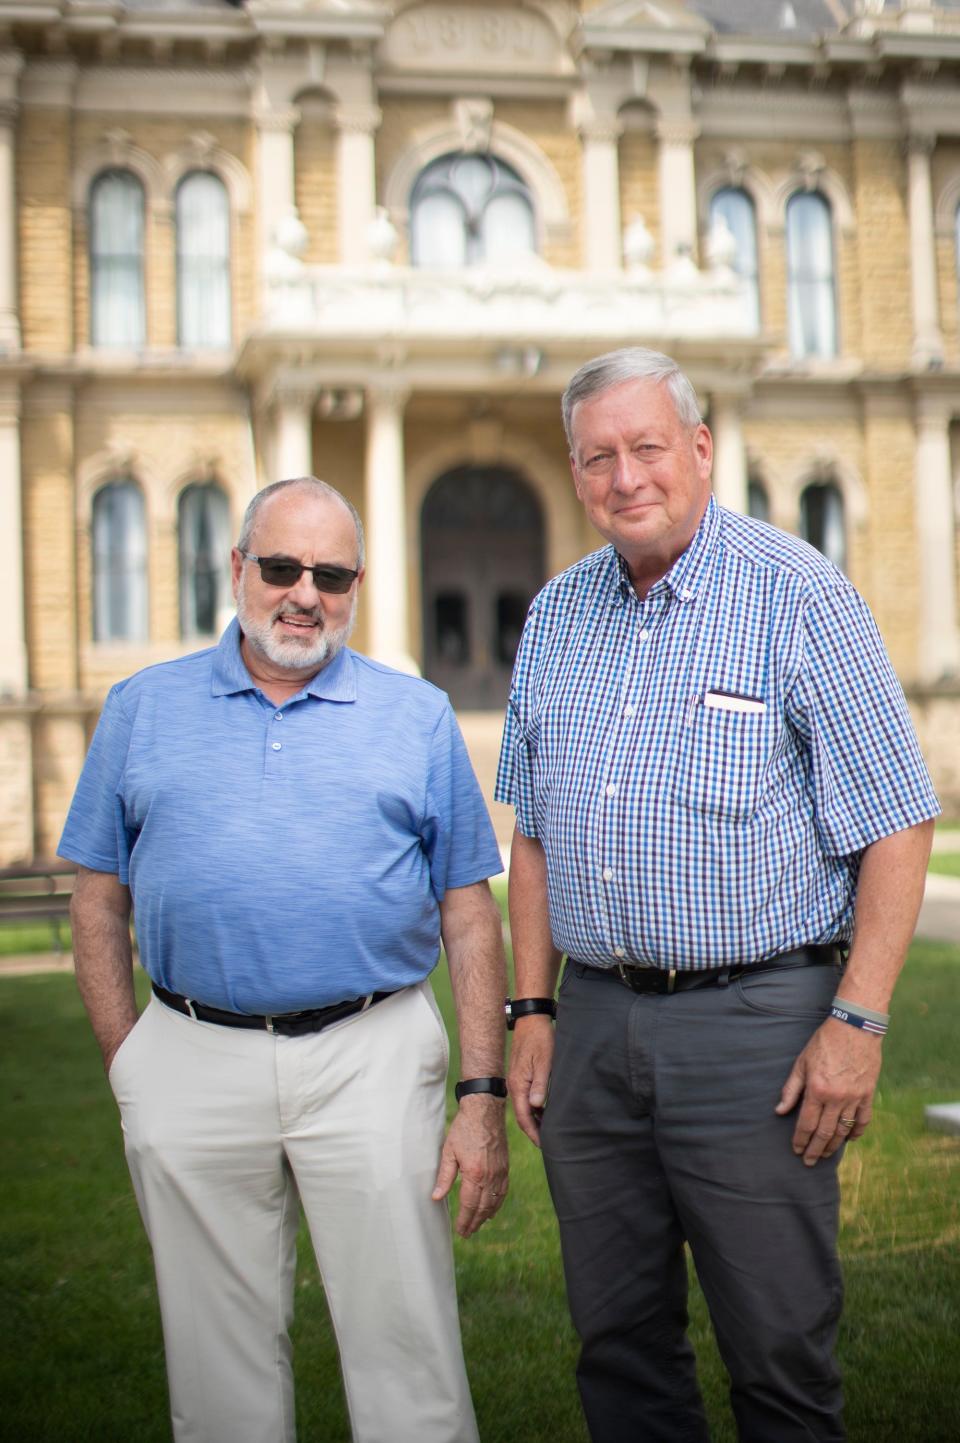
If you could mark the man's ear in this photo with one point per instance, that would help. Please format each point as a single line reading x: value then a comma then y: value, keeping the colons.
x: 236, y: 567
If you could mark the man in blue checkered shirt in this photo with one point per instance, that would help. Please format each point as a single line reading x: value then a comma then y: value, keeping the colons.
x: 723, y: 821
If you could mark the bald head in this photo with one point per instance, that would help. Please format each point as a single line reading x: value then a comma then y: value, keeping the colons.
x: 309, y: 486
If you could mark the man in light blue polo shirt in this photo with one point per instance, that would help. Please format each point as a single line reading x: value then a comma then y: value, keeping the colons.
x: 295, y: 827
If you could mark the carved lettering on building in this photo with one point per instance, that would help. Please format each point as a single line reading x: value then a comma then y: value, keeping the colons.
x: 471, y: 37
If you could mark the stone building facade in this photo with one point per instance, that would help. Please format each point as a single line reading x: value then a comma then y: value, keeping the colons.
x: 373, y: 240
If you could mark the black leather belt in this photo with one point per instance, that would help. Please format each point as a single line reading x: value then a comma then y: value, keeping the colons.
x: 667, y: 980
x: 287, y: 1024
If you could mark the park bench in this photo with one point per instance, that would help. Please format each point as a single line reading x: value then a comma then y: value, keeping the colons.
x: 38, y: 892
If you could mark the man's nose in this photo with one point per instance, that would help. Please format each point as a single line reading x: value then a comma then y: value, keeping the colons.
x: 626, y: 472
x: 304, y: 592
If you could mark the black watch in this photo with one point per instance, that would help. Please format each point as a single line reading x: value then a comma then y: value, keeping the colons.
x: 496, y: 1085
x: 516, y: 1007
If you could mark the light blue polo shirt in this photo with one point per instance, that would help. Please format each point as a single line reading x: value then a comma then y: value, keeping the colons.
x: 281, y: 857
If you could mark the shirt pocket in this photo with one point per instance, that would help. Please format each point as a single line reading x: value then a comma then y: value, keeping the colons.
x: 722, y: 761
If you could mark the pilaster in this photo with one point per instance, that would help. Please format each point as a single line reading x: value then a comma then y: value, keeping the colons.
x: 927, y: 338
x: 939, y: 631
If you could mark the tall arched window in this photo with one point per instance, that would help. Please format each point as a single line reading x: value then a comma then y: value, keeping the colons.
x: 203, y: 261
x: 468, y: 210
x: 735, y: 207
x: 204, y: 532
x: 811, y: 289
x: 119, y: 563
x: 822, y: 521
x: 117, y: 314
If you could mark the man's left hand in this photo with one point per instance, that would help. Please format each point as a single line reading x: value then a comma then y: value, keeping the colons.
x: 835, y: 1075
x: 476, y: 1147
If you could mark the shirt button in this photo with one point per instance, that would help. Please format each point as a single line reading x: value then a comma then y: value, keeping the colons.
x: 611, y: 789
x: 608, y: 874
x: 278, y: 716
x: 276, y: 746
x: 629, y: 709
x: 686, y: 594
x: 644, y: 635
x: 619, y: 951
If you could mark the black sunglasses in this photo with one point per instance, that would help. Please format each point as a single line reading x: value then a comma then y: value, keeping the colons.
x: 283, y: 571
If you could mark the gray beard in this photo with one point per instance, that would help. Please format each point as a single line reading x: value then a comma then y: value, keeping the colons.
x: 289, y: 653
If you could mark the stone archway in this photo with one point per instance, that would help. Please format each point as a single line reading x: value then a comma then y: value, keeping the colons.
x: 482, y: 554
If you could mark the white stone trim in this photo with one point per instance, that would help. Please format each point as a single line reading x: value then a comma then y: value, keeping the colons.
x: 758, y: 186
x: 823, y: 466
x: 528, y: 160
x: 116, y: 151
x: 200, y: 152
x: 947, y: 202
x: 117, y: 462
x: 519, y: 454
x: 808, y: 175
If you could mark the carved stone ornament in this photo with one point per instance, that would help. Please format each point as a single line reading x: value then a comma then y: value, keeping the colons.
x: 638, y: 245
x: 477, y: 38
x: 810, y: 166
x: 721, y: 247
x: 473, y: 117
x: 382, y: 237
x: 736, y: 162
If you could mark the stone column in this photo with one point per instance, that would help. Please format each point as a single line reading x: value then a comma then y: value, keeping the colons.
x: 385, y: 525
x: 939, y: 643
x: 927, y: 338
x: 678, y: 188
x: 292, y: 442
x: 356, y: 179
x: 280, y: 225
x: 599, y: 136
x: 729, y: 454
x: 13, y: 645
x: 10, y: 66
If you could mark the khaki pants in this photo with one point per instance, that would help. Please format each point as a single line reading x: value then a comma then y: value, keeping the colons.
x: 224, y: 1128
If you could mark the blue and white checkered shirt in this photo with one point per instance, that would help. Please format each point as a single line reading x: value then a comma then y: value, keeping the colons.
x: 704, y: 767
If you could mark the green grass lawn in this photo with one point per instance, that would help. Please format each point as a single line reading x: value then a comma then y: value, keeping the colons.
x: 945, y: 864
x: 82, y: 1355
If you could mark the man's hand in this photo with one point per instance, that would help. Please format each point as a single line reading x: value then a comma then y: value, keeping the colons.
x: 530, y: 1060
x: 835, y: 1075
x: 476, y: 1147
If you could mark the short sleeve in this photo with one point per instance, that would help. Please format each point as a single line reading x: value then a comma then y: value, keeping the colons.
x: 457, y: 834
x: 95, y: 834
x: 867, y: 776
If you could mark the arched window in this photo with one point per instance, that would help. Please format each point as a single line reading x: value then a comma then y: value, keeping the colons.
x: 203, y: 261
x: 468, y: 210
x: 758, y: 502
x: 735, y: 207
x: 822, y: 521
x: 204, y: 533
x: 119, y: 563
x: 117, y: 315
x: 812, y: 300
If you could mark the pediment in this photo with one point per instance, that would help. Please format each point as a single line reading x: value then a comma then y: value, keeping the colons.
x: 669, y: 16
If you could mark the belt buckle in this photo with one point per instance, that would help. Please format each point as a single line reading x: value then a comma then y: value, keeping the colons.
x: 268, y: 1024
x: 671, y: 979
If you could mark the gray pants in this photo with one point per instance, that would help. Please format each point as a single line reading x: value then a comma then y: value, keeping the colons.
x: 660, y: 1129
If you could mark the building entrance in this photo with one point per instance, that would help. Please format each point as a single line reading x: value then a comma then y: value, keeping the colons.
x: 482, y: 544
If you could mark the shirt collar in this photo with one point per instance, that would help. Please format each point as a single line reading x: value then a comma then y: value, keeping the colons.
x: 336, y: 682
x: 687, y: 573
